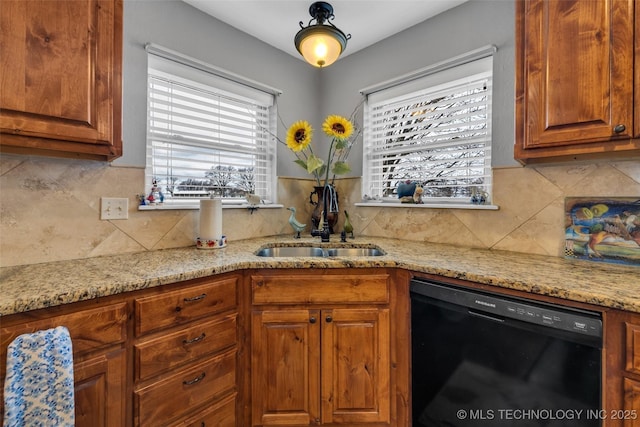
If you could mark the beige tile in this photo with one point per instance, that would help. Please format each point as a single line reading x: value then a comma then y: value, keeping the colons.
x: 542, y: 234
x: 417, y: 224
x: 520, y: 194
x: 630, y: 168
x: 182, y: 234
x: 149, y: 227
x: 565, y: 176
x: 8, y: 162
x: 116, y: 243
x: 605, y: 181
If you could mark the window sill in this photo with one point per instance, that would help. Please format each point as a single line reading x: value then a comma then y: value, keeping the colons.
x: 196, y: 206
x: 429, y: 205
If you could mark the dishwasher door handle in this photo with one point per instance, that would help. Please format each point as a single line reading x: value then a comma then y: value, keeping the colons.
x: 485, y: 316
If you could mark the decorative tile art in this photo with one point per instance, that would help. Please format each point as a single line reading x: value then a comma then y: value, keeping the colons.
x: 603, y: 229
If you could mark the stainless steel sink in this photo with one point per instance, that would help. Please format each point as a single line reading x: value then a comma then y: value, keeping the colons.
x: 312, y: 251
x: 300, y: 251
x: 350, y: 252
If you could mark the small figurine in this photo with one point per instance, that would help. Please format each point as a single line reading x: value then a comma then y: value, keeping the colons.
x: 348, y: 227
x: 253, y: 200
x: 417, y: 195
x: 478, y: 197
x: 295, y: 224
x: 406, y: 189
x: 155, y: 196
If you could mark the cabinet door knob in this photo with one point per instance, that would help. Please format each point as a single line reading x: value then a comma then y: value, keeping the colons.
x: 619, y: 128
x: 329, y: 319
x: 312, y: 320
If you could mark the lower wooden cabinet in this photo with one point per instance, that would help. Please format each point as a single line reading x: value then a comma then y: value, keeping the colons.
x: 98, y: 335
x: 99, y: 389
x: 315, y: 361
x: 219, y: 414
x: 184, y: 392
x: 631, y: 407
x: 185, y: 353
x: 631, y: 376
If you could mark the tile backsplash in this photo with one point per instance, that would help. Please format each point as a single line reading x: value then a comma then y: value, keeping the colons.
x: 50, y: 210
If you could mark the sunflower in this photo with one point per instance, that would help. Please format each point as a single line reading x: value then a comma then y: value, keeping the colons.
x: 337, y: 127
x: 299, y: 135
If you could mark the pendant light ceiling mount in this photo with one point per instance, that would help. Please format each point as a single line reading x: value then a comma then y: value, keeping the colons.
x: 321, y: 43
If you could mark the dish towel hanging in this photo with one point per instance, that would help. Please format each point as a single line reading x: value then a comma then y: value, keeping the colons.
x: 38, y: 388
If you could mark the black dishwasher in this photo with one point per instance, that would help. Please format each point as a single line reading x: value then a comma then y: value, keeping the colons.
x: 484, y: 359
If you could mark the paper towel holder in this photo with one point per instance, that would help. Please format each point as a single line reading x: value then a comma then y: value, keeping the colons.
x: 211, y: 243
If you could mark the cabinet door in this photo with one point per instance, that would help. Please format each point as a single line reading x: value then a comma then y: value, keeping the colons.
x: 285, y: 367
x: 631, y: 413
x: 575, y: 82
x: 60, y: 91
x: 100, y: 390
x: 356, y: 366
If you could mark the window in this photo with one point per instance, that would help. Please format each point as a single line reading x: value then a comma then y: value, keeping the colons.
x: 433, y: 129
x: 207, y: 134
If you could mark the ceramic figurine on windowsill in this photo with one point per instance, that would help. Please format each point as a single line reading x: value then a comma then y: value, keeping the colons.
x: 405, y: 191
x: 155, y: 196
x: 417, y: 195
x: 478, y: 197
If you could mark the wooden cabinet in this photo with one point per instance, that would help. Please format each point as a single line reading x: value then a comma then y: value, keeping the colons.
x: 60, y: 91
x: 98, y: 336
x: 321, y: 349
x: 576, y: 89
x: 186, y: 348
x: 631, y: 378
x: 99, y: 389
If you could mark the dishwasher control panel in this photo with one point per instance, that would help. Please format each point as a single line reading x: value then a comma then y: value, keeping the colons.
x: 500, y: 307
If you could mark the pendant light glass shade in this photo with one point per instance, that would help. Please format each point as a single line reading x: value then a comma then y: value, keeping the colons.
x: 321, y: 44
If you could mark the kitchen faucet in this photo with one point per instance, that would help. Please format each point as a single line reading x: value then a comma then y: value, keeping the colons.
x: 324, y: 232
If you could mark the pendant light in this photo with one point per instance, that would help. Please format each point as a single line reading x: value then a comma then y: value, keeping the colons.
x: 321, y: 43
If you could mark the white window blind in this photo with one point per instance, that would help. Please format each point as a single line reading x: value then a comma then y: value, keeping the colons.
x: 208, y: 135
x: 434, y: 130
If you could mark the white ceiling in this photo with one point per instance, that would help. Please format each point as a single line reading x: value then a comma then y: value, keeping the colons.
x: 276, y: 22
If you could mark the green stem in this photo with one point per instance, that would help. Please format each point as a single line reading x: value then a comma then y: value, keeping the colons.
x: 326, y: 177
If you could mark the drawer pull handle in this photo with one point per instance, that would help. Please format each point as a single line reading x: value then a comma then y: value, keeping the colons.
x: 196, y: 298
x: 194, y: 340
x: 329, y: 319
x: 195, y: 380
x: 312, y: 320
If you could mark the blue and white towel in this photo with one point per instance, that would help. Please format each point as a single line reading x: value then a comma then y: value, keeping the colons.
x: 38, y: 388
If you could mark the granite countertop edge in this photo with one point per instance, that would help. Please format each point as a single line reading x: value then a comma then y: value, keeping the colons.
x: 35, y: 286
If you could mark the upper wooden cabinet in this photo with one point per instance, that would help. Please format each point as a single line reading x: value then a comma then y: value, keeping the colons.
x: 575, y: 79
x: 60, y: 78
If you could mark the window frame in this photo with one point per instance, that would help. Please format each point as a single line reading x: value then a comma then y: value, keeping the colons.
x: 406, y: 89
x: 223, y: 85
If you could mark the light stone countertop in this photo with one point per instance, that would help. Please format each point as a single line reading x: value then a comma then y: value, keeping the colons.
x: 30, y: 287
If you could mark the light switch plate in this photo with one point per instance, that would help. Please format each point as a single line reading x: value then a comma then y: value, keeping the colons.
x: 114, y: 208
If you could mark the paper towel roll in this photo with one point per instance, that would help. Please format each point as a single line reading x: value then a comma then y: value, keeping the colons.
x: 211, y: 219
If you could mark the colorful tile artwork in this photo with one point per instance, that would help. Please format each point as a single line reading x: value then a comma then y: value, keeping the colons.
x: 603, y: 229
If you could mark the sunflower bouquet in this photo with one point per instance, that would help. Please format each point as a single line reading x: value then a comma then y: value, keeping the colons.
x: 341, y: 131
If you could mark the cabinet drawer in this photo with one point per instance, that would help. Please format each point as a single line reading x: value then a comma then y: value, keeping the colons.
x: 184, y: 305
x: 90, y: 329
x: 178, y: 394
x: 633, y: 348
x: 274, y: 289
x: 178, y: 348
x: 220, y: 414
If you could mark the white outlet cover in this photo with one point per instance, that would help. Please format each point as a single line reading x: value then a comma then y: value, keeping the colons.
x: 114, y: 208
